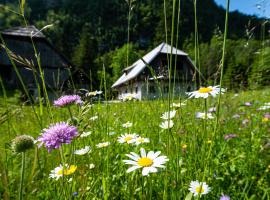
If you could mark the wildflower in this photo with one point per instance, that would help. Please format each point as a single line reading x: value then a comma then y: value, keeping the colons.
x: 83, y: 151
x: 199, y: 188
x: 94, y: 93
x: 140, y: 140
x: 245, y: 121
x: 56, y: 135
x: 93, y: 118
x: 102, y: 144
x: 229, y: 136
x: 91, y: 166
x: 127, y: 138
x: 209, y: 141
x: 62, y: 171
x: 224, y: 197
x: 178, y: 105
x: 247, y: 104
x: 22, y: 143
x: 67, y: 100
x: 204, y: 92
x: 204, y: 115
x: 127, y: 125
x: 75, y: 194
x: 212, y: 109
x: 85, y: 134
x: 265, y: 107
x: 168, y: 115
x: 265, y: 119
x: 148, y: 162
x: 129, y: 97
x: 184, y: 146
x: 166, y: 124
x: 236, y: 116
x: 267, y: 115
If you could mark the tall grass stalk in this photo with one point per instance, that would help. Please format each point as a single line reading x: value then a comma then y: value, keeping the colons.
x: 22, y: 176
x: 222, y: 63
x: 220, y: 83
x: 21, y: 80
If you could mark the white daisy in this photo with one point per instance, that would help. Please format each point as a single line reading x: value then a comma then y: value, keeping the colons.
x: 148, y: 162
x: 83, y: 151
x: 201, y: 115
x: 85, y: 134
x: 168, y: 115
x: 127, y: 125
x: 60, y: 171
x: 94, y: 93
x: 204, y: 92
x: 199, y: 188
x: 129, y: 97
x: 140, y: 140
x: 93, y: 118
x: 91, y: 166
x: 166, y: 124
x: 127, y: 138
x: 266, y: 107
x: 102, y: 144
x: 178, y: 105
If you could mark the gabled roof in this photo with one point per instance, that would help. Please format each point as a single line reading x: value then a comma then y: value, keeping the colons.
x: 134, y: 70
x: 23, y: 32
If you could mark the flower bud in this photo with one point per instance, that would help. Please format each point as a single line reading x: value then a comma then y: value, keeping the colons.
x: 22, y: 143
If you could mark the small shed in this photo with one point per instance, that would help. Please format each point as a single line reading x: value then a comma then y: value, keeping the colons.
x: 148, y: 77
x: 19, y: 40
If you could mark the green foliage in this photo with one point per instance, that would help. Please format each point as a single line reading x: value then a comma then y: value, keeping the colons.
x: 260, y: 74
x: 85, y: 53
x: 9, y: 17
x: 115, y: 61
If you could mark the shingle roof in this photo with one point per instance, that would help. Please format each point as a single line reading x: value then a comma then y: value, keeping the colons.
x: 137, y: 67
x: 23, y: 32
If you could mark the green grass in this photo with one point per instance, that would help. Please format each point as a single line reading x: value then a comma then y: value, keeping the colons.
x: 237, y: 167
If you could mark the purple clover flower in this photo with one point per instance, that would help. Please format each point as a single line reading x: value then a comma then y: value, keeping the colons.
x: 267, y: 115
x: 67, y: 100
x: 56, y: 135
x: 224, y: 197
x: 247, y: 104
x: 229, y: 136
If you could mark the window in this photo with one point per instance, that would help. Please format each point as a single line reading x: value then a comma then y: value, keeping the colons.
x: 136, y: 90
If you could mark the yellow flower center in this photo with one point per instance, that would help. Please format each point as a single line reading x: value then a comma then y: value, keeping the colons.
x: 184, y: 146
x: 128, y: 138
x: 69, y: 171
x: 205, y: 90
x: 145, y: 162
x: 199, y: 189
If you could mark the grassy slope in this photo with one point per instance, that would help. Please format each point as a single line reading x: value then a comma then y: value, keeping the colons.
x: 237, y: 167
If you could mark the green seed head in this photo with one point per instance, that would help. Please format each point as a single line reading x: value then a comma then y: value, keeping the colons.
x: 22, y: 143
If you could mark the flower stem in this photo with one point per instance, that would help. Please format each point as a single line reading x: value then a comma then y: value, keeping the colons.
x: 22, y: 176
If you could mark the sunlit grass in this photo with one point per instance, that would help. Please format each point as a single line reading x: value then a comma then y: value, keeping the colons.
x: 237, y: 167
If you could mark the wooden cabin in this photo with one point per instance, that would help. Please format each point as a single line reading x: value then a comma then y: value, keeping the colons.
x: 148, y: 78
x: 20, y: 40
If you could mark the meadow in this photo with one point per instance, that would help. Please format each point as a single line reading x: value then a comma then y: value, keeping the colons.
x: 227, y: 153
